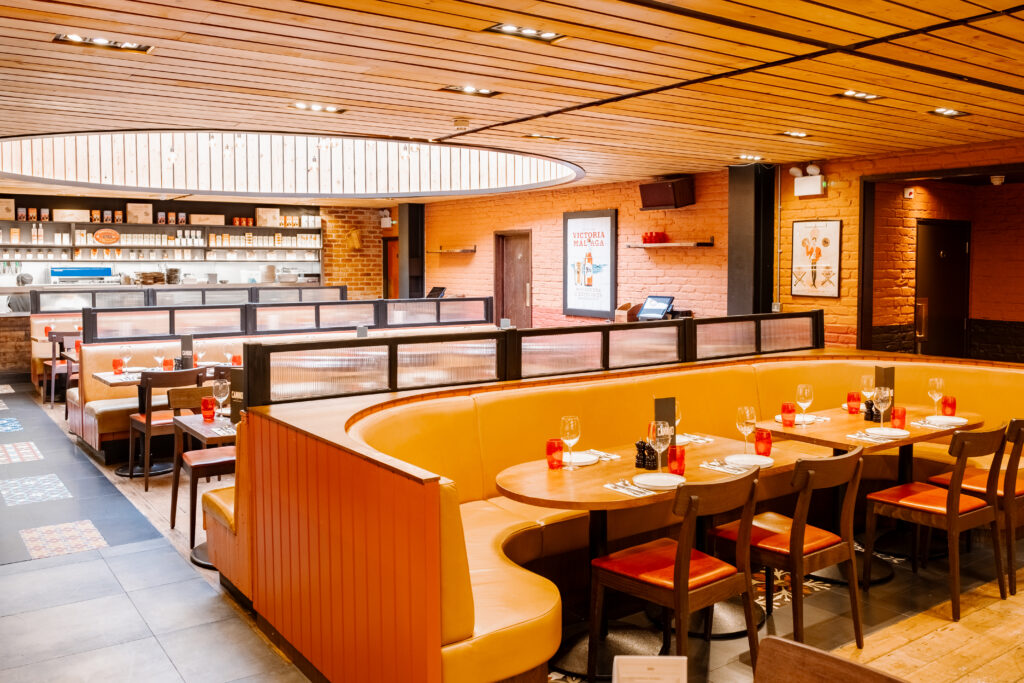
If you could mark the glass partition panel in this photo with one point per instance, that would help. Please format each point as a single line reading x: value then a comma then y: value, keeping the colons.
x: 346, y: 315
x: 64, y: 301
x: 780, y: 334
x: 643, y: 346
x: 455, y: 310
x: 122, y: 299
x: 207, y: 320
x: 451, y: 362
x: 115, y: 324
x: 327, y: 372
x: 412, y: 313
x: 557, y: 354
x: 186, y: 297
x: 227, y: 296
x: 285, y: 318
x: 320, y: 294
x: 726, y: 338
x: 278, y: 296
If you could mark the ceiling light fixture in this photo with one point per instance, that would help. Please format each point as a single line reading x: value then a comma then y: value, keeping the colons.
x: 526, y: 32
x: 313, y: 106
x: 470, y: 90
x: 750, y: 157
x: 795, y: 134
x: 82, y: 41
x: 948, y: 113
x: 316, y: 107
x: 858, y: 95
x: 540, y: 136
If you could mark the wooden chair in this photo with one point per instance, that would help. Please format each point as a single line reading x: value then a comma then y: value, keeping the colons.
x: 938, y: 508
x: 658, y: 570
x: 783, y: 661
x: 56, y: 366
x: 198, y: 464
x: 155, y: 423
x: 975, y: 481
x: 793, y: 545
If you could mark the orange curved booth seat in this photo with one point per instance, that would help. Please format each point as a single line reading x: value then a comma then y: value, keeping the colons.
x: 376, y: 526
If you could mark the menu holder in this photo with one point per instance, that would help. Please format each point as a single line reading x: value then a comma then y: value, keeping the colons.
x: 186, y: 352
x: 237, y: 394
x: 649, y: 669
x: 665, y: 411
x: 886, y: 377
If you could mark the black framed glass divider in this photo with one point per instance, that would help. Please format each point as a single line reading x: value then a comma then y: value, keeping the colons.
x: 73, y: 300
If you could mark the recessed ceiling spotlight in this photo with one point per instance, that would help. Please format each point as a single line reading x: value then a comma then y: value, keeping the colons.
x: 470, y: 90
x: 316, y: 107
x: 948, y: 113
x: 74, y: 38
x: 331, y: 109
x: 795, y: 134
x: 540, y: 136
x: 100, y: 41
x: 300, y: 105
x: 750, y: 157
x: 83, y: 41
x: 858, y: 95
x: 526, y: 32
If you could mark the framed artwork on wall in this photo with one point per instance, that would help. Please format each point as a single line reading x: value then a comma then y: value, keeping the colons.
x: 817, y: 253
x: 589, y: 240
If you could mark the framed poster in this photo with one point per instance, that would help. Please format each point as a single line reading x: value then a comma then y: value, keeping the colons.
x: 817, y: 250
x: 588, y: 259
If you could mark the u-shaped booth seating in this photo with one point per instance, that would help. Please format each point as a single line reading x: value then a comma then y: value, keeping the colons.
x: 380, y: 514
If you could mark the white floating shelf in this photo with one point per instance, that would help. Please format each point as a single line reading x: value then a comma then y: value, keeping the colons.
x: 662, y: 245
x: 463, y: 250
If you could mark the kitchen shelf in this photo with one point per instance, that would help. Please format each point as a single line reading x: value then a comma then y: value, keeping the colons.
x: 442, y: 250
x: 662, y: 245
x: 236, y: 248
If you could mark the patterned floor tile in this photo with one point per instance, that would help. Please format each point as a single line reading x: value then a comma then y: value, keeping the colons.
x: 38, y: 489
x: 6, y: 389
x: 62, y: 539
x: 10, y: 424
x: 21, y: 451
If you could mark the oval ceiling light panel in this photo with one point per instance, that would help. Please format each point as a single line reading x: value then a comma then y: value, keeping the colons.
x: 274, y: 164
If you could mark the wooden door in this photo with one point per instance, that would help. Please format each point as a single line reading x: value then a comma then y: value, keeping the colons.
x: 943, y: 287
x: 390, y: 267
x: 513, y: 274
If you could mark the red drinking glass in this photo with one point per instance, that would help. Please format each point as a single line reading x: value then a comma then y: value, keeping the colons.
x: 46, y: 331
x: 78, y: 347
x: 763, y: 442
x: 677, y: 460
x: 118, y: 364
x: 949, y: 405
x: 168, y: 364
x: 208, y: 405
x: 554, y: 454
x: 236, y: 360
x: 853, y: 402
x: 788, y: 414
x: 898, y: 419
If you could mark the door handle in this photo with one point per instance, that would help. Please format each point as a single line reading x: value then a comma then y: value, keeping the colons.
x: 921, y: 320
x: 529, y: 297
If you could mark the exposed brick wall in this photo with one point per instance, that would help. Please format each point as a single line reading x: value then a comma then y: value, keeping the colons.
x: 352, y: 252
x: 997, y: 253
x: 697, y: 277
x: 15, y: 344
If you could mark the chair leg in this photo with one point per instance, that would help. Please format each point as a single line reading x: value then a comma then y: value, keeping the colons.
x: 796, y: 593
x: 915, y: 550
x: 175, y: 480
x: 927, y: 546
x: 769, y: 589
x: 145, y: 463
x: 709, y: 621
x: 596, y: 609
x: 858, y: 625
x: 131, y: 453
x: 682, y: 637
x: 969, y: 541
x: 869, y: 544
x: 1011, y: 545
x: 193, y: 489
x: 666, y: 630
x: 748, y: 614
x: 997, y: 550
x: 954, y: 573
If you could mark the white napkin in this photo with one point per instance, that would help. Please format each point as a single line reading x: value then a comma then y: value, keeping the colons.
x: 628, y: 491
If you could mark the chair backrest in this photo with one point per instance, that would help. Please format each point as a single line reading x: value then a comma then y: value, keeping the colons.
x: 1014, y: 435
x: 149, y: 380
x: 713, y: 498
x: 220, y: 372
x: 187, y: 398
x: 810, y: 475
x: 58, y: 340
x: 787, y: 661
x: 976, y: 444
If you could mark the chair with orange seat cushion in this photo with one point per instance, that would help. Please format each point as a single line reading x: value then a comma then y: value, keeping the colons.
x: 976, y: 482
x: 780, y: 542
x: 56, y: 366
x: 659, y: 570
x: 949, y: 509
x: 150, y: 423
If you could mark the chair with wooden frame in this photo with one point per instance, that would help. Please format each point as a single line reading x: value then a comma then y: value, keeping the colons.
x: 784, y: 661
x: 947, y: 508
x: 790, y: 544
x: 156, y: 423
x: 198, y: 464
x: 976, y: 482
x: 654, y: 571
x: 56, y: 366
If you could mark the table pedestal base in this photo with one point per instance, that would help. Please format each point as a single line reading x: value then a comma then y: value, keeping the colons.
x: 622, y: 639
x: 155, y: 469
x: 728, y: 621
x: 200, y: 557
x: 881, y: 572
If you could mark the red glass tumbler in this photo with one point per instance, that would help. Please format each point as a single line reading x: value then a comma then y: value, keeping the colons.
x: 208, y: 405
x: 788, y: 414
x: 118, y: 364
x: 763, y: 442
x: 853, y: 402
x: 949, y: 405
x: 898, y: 418
x: 554, y: 454
x: 677, y: 460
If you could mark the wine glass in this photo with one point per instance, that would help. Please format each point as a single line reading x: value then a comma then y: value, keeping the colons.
x: 659, y: 433
x: 199, y: 353
x: 804, y: 398
x: 125, y: 352
x: 158, y: 360
x: 936, y: 390
x: 867, y: 386
x: 570, y: 435
x: 221, y: 390
x: 883, y: 399
x: 226, y: 350
x: 746, y: 420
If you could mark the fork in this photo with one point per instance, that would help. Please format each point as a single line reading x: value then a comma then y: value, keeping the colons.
x: 625, y: 483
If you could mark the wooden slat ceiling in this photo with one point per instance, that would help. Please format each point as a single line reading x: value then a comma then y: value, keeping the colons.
x: 728, y: 77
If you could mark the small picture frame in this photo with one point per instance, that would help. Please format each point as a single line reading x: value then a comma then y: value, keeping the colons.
x: 181, y: 218
x: 22, y: 213
x: 119, y: 216
x: 816, y: 258
x: 172, y: 218
x: 44, y: 214
x: 32, y: 214
x: 108, y: 216
x: 95, y: 216
x: 161, y: 218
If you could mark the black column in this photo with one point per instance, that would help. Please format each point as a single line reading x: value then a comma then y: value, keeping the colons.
x: 751, y: 238
x: 411, y: 240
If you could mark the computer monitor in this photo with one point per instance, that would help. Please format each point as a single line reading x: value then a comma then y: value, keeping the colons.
x: 655, y: 308
x: 436, y: 292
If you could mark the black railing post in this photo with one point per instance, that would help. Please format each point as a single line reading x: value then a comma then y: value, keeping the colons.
x: 688, y: 340
x: 514, y: 349
x: 393, y: 365
x: 818, y: 327
x: 606, y: 350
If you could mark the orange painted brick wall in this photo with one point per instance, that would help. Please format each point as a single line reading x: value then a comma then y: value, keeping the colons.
x: 352, y: 252
x: 997, y: 259
x: 697, y: 277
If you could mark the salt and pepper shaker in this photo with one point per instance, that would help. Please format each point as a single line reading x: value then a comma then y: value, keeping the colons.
x: 641, y: 455
x: 869, y: 411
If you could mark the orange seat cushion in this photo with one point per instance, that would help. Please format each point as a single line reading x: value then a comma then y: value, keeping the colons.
x: 209, y: 456
x: 654, y: 563
x: 771, y: 532
x: 976, y: 481
x: 920, y: 496
x: 161, y: 418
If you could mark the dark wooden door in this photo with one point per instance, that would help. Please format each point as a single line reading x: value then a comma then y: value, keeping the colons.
x: 390, y: 267
x: 514, y: 271
x: 943, y: 287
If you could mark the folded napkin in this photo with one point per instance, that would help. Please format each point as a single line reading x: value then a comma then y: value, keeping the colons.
x: 725, y: 469
x: 635, y: 493
x: 869, y: 438
x: 924, y: 424
x: 224, y: 431
x: 602, y: 455
x: 684, y: 439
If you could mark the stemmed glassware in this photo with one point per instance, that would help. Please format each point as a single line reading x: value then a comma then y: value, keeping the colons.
x: 221, y: 391
x: 199, y: 355
x: 936, y: 390
x: 226, y: 350
x: 125, y: 352
x: 746, y: 421
x: 659, y: 433
x: 883, y: 399
x: 867, y: 386
x: 570, y: 435
x: 804, y: 399
x: 158, y: 360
